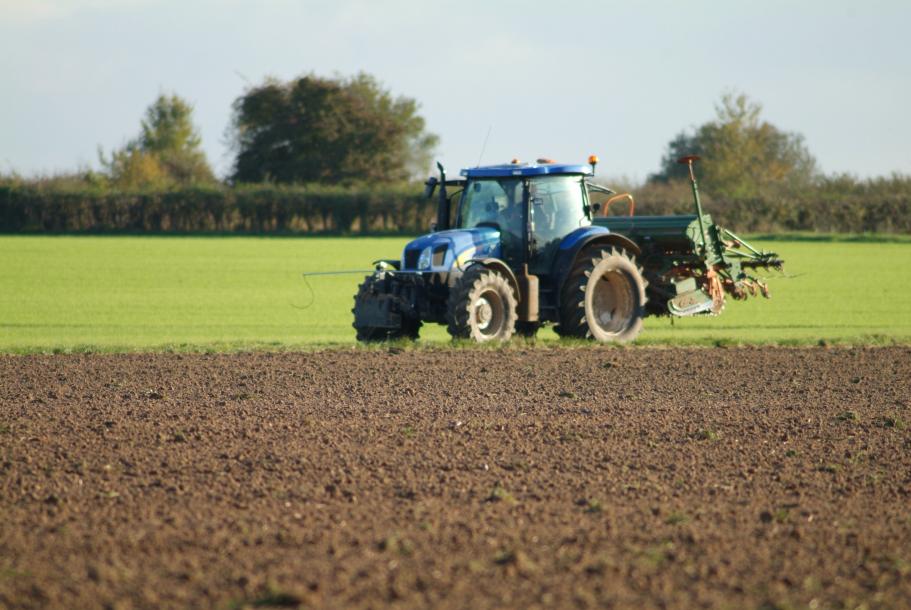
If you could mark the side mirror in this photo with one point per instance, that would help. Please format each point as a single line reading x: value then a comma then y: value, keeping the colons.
x: 430, y: 186
x: 596, y: 207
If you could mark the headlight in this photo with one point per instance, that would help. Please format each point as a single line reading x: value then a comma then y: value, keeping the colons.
x: 425, y: 258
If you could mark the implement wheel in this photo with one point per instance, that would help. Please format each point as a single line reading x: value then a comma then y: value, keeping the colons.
x: 481, y: 306
x: 603, y: 297
x: 370, y: 298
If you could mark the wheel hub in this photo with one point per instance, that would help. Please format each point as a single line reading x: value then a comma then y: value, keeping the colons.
x: 483, y: 312
x: 612, y: 302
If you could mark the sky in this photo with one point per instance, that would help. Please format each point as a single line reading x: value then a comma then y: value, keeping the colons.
x: 555, y: 79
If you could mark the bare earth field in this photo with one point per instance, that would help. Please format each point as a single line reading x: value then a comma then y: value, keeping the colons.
x: 648, y: 478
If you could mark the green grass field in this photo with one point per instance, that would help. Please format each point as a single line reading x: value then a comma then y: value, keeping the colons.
x: 71, y: 293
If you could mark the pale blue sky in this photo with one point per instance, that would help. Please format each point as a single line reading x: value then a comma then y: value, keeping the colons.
x: 557, y: 79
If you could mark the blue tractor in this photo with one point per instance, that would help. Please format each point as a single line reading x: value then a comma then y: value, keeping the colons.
x: 517, y: 246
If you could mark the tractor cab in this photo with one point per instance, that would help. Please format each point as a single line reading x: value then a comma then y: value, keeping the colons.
x: 533, y: 207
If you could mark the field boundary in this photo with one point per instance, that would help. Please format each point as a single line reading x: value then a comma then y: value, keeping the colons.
x: 873, y: 340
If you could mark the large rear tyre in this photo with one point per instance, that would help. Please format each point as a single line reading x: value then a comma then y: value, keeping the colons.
x: 603, y: 297
x: 371, y: 297
x: 481, y: 306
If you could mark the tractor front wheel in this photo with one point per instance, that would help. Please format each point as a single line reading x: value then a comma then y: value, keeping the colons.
x: 481, y: 306
x: 603, y: 297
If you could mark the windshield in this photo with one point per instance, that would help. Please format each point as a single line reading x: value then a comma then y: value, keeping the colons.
x: 497, y: 203
x: 493, y: 203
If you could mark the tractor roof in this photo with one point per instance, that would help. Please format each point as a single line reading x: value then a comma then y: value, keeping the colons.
x: 525, y: 169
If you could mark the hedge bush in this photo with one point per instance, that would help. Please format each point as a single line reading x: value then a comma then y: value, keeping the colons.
x: 881, y: 206
x: 34, y: 208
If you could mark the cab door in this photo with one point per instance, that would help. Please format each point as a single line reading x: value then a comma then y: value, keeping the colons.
x: 556, y: 207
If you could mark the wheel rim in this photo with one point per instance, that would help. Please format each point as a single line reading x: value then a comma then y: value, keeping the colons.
x: 488, y: 313
x: 613, y: 302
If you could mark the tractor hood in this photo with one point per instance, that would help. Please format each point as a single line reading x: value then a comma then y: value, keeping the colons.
x: 439, y: 251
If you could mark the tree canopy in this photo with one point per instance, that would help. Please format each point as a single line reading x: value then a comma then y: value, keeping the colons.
x: 742, y: 155
x: 167, y: 151
x: 315, y: 129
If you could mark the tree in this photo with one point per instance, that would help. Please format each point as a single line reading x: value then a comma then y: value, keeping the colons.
x: 167, y: 151
x: 742, y: 156
x: 315, y: 129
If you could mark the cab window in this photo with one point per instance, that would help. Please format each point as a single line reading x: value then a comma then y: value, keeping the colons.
x: 557, y: 206
x: 494, y: 203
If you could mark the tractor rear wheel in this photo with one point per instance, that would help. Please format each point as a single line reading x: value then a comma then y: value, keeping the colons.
x: 481, y: 306
x: 603, y: 297
x: 371, y: 297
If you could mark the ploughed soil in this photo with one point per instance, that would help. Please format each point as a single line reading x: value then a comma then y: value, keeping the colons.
x: 523, y: 478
